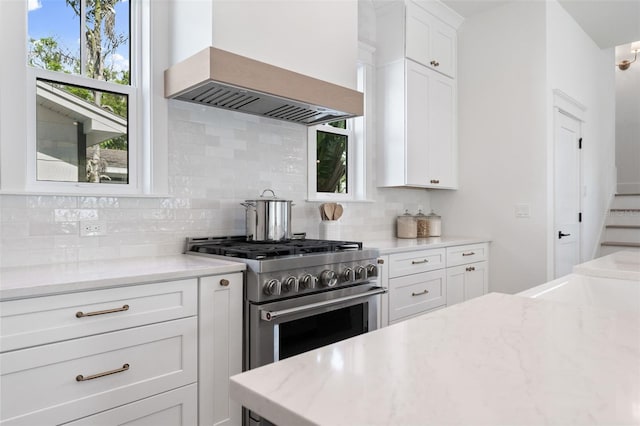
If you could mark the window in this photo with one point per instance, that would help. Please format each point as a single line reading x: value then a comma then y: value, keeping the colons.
x: 81, y: 83
x: 337, y: 156
x: 332, y: 156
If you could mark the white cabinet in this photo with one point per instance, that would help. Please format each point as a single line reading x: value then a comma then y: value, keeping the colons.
x: 467, y: 272
x: 422, y: 31
x: 417, y: 127
x: 417, y: 283
x: 220, y: 351
x: 140, y: 354
x: 65, y: 357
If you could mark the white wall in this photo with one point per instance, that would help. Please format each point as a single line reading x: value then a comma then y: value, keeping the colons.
x: 579, y: 68
x: 628, y: 122
x: 502, y: 125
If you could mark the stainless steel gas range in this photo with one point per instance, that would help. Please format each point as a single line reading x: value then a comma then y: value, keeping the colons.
x: 299, y: 294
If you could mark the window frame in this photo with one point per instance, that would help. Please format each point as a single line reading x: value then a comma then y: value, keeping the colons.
x: 312, y: 137
x: 134, y: 135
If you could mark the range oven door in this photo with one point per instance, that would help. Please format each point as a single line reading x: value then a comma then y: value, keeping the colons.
x: 282, y: 329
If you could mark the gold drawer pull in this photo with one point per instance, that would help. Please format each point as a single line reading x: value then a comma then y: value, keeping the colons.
x: 421, y: 293
x: 380, y: 261
x: 435, y: 181
x: 81, y: 314
x: 418, y: 262
x: 470, y: 268
x: 224, y: 282
x: 81, y: 378
x: 471, y: 253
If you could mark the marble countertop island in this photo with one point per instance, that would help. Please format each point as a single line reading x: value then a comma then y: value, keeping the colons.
x: 494, y: 360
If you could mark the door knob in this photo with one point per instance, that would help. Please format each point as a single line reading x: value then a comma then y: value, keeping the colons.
x: 560, y: 234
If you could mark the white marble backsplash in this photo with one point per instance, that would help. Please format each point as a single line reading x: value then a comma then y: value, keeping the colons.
x: 217, y: 159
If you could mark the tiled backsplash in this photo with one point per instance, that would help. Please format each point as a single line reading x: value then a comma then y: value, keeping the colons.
x: 217, y: 159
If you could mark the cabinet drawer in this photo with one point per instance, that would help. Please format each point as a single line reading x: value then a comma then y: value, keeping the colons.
x: 30, y: 322
x: 174, y: 408
x: 461, y: 255
x: 415, y: 262
x: 42, y: 385
x: 416, y: 293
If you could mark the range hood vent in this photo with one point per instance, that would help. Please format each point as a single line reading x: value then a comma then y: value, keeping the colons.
x: 223, y: 79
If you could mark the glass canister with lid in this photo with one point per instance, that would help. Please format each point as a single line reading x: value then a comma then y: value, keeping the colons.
x: 422, y: 223
x: 406, y: 226
x: 435, y: 224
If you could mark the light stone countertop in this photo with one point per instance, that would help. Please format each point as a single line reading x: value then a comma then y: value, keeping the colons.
x: 39, y: 280
x: 496, y: 359
x: 403, y: 245
x: 624, y: 265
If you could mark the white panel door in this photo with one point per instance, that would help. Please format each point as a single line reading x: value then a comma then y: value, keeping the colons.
x: 441, y: 161
x: 567, y: 199
x: 417, y: 116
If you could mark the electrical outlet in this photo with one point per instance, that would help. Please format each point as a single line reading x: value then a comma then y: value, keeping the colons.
x: 93, y: 228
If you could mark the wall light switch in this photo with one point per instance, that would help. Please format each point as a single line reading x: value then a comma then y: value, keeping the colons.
x: 523, y: 210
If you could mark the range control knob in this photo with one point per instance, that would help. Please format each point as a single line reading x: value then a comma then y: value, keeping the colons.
x: 361, y: 273
x: 290, y: 284
x: 328, y: 278
x: 308, y: 281
x: 372, y: 270
x: 347, y: 275
x: 272, y: 288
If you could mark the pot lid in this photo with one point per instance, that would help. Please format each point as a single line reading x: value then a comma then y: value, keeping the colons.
x: 272, y: 197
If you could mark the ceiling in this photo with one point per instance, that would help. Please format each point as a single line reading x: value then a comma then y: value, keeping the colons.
x: 609, y: 23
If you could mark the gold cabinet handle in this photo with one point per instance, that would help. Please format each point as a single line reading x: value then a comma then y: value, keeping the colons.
x: 470, y: 268
x: 380, y: 261
x: 421, y: 293
x: 81, y: 378
x: 224, y: 282
x: 81, y: 314
x: 418, y: 262
x: 471, y: 253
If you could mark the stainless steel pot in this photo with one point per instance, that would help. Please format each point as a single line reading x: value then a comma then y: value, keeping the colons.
x: 268, y: 219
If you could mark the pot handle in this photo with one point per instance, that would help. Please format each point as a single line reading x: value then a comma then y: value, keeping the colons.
x: 247, y: 205
x: 270, y: 190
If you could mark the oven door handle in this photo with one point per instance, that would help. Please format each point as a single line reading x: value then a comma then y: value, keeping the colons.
x: 271, y: 315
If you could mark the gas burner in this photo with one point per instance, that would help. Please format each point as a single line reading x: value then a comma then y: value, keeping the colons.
x: 238, y: 247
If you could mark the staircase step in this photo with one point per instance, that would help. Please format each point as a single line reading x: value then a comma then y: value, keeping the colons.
x: 624, y: 217
x: 626, y: 201
x: 605, y: 250
x: 622, y: 233
x: 620, y: 244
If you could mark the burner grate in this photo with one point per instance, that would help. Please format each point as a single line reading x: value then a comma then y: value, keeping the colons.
x: 239, y: 248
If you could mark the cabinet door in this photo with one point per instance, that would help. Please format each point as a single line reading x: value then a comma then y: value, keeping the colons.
x: 220, y: 351
x: 441, y: 152
x: 174, y: 408
x: 417, y: 124
x: 466, y: 282
x: 429, y: 41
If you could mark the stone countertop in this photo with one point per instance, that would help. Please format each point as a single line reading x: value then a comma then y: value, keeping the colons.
x: 39, y: 280
x: 496, y: 359
x: 402, y: 245
x: 624, y: 265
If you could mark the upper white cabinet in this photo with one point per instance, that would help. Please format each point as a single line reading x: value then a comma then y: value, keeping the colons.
x: 417, y: 94
x: 417, y: 127
x: 424, y: 31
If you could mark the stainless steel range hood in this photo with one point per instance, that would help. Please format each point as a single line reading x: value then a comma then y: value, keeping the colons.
x: 223, y: 79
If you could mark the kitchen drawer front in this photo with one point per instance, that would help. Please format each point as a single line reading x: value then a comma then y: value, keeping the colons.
x: 416, y: 293
x: 40, y: 385
x: 461, y: 255
x: 178, y: 407
x: 39, y: 320
x: 415, y: 262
